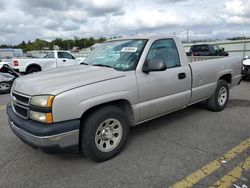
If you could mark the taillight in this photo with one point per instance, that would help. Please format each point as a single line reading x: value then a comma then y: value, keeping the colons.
x: 15, y: 62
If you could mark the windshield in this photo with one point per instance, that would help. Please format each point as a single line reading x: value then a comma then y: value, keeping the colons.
x: 121, y: 55
x: 216, y: 48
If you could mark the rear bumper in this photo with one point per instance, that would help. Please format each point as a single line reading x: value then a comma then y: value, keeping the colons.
x: 48, y: 138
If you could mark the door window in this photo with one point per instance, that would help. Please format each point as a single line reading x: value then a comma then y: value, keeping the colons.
x: 49, y: 55
x: 65, y: 55
x: 204, y: 48
x: 164, y: 50
x: 216, y: 50
x: 195, y: 48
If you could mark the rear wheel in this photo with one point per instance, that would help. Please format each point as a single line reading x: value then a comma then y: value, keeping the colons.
x: 220, y: 97
x: 104, y: 133
x: 33, y: 69
x: 5, y: 87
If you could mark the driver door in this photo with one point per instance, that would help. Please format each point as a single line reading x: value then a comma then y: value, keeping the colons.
x: 163, y: 91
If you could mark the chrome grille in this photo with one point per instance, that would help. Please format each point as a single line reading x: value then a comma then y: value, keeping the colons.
x: 20, y: 110
x: 20, y: 104
x: 21, y: 98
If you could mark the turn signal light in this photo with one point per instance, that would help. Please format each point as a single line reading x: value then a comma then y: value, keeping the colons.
x: 49, y: 118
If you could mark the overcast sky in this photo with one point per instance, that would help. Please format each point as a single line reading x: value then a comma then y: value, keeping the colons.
x: 48, y: 19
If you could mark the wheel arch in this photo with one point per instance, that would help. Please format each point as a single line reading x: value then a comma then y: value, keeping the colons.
x: 227, y: 77
x: 123, y: 104
x: 33, y: 65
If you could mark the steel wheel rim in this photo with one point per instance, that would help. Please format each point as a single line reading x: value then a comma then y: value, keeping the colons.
x: 222, y: 97
x: 4, y: 86
x: 108, y: 135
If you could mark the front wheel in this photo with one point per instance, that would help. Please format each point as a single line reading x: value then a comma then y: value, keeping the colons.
x: 104, y: 133
x: 5, y: 87
x: 220, y: 97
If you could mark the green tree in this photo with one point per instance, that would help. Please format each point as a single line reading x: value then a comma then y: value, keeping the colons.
x: 39, y: 44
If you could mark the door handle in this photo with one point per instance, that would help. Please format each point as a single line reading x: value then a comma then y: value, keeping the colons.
x: 64, y: 60
x: 182, y: 75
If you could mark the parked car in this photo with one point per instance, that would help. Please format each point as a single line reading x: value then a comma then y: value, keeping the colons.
x: 246, y: 67
x: 8, y: 53
x: 125, y: 82
x: 207, y: 50
x: 7, y: 76
x: 52, y: 59
x: 2, y: 63
x: 6, y: 81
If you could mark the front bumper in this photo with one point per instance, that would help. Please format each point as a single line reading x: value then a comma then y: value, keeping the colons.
x: 53, y: 138
x: 246, y: 71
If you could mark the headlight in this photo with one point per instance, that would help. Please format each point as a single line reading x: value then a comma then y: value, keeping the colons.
x: 42, y: 117
x: 41, y: 108
x: 42, y: 101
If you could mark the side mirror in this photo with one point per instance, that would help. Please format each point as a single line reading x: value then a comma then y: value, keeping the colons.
x: 154, y: 65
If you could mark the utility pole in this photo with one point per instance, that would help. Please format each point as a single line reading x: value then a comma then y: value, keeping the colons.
x: 187, y: 36
x: 244, y: 46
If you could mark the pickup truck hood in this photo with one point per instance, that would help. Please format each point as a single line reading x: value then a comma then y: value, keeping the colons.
x: 62, y: 79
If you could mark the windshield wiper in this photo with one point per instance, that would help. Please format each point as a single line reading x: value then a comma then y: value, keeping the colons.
x: 102, y: 65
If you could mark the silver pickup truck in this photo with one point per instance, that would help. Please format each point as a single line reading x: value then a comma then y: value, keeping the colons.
x: 125, y: 82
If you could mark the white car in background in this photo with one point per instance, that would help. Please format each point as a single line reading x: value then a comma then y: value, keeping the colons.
x: 3, y: 63
x: 52, y: 59
x: 246, y: 67
x: 6, y: 81
x: 7, y: 76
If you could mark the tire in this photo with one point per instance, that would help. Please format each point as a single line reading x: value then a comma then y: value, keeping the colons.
x: 5, y: 87
x: 104, y: 133
x: 33, y: 69
x: 220, y: 97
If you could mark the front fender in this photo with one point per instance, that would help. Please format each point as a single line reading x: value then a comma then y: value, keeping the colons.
x: 73, y: 103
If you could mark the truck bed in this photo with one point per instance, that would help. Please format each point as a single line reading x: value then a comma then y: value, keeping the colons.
x: 205, y: 75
